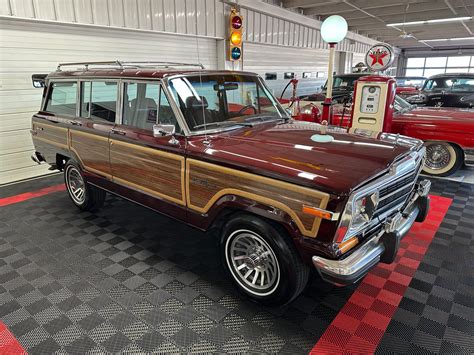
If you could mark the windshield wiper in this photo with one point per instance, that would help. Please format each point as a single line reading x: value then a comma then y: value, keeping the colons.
x: 264, y: 119
x: 223, y: 123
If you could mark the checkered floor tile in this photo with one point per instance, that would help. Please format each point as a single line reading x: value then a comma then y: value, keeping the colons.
x: 117, y: 281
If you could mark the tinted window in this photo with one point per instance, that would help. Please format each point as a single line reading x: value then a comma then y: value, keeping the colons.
x: 99, y: 100
x: 141, y: 103
x: 62, y: 98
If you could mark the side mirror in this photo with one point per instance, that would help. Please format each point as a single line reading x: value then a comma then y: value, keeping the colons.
x: 39, y: 80
x: 162, y: 130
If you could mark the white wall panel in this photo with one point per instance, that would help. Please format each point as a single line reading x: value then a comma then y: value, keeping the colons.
x: 83, y: 11
x: 44, y: 9
x: 180, y: 14
x: 29, y: 47
x: 264, y: 58
x: 201, y: 17
x: 5, y: 8
x: 158, y: 17
x: 100, y: 12
x: 22, y: 8
x: 144, y: 14
x: 130, y: 11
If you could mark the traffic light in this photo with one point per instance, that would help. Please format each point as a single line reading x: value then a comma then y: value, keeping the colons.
x: 235, y: 36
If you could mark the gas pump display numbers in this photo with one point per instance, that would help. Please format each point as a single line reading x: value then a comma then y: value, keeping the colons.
x: 370, y: 99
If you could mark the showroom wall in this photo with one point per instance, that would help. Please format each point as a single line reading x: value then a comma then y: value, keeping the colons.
x: 36, y: 35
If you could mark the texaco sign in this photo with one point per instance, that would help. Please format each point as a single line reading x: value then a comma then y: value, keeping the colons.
x: 379, y: 57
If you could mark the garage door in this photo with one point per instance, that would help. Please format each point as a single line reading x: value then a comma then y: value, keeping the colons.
x: 30, y: 47
x: 279, y: 60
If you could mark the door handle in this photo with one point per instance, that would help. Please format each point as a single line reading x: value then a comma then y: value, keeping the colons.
x: 75, y: 123
x: 118, y: 131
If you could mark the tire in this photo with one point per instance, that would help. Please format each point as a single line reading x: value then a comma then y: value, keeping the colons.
x: 85, y: 196
x: 442, y: 159
x: 251, y: 247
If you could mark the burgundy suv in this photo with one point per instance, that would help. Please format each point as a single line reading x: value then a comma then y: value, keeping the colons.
x: 215, y: 150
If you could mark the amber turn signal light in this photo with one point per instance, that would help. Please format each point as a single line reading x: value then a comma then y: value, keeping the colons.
x: 348, y: 244
x: 317, y: 212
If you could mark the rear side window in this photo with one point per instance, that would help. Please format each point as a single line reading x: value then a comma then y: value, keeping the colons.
x: 62, y: 98
x: 99, y: 100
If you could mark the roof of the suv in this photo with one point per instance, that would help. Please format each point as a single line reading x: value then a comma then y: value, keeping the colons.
x: 147, y: 73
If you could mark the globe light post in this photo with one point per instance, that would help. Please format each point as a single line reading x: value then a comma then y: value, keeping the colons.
x: 333, y: 31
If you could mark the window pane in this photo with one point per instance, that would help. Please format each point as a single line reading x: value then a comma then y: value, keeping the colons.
x: 433, y: 71
x: 62, y: 99
x: 140, y: 105
x: 459, y: 61
x: 414, y: 72
x: 103, y: 100
x: 165, y: 113
x: 415, y: 62
x: 456, y: 70
x: 436, y: 62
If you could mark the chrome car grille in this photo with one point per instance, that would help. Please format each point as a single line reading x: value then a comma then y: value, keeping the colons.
x: 397, y: 193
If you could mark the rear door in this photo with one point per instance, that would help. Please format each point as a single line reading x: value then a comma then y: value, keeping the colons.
x: 89, y: 133
x: 151, y: 165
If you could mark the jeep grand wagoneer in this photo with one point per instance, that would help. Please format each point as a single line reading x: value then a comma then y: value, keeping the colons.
x: 214, y: 149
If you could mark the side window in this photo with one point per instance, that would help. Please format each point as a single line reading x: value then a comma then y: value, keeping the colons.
x: 145, y: 104
x: 99, y: 100
x: 62, y: 98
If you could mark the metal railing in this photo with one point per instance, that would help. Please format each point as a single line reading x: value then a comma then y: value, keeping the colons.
x: 117, y: 64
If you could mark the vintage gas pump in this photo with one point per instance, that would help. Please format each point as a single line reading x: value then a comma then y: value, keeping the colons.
x: 374, y: 95
x: 373, y: 100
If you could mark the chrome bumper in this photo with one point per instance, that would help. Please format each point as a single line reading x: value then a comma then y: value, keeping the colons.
x: 382, y: 247
x: 469, y: 157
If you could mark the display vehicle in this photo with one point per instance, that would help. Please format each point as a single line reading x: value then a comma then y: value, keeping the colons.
x: 446, y: 90
x: 409, y: 85
x: 215, y: 150
x: 448, y: 132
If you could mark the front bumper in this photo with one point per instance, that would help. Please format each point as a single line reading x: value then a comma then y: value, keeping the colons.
x: 381, y: 248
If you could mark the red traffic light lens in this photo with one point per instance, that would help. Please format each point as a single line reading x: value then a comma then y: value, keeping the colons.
x: 236, y: 22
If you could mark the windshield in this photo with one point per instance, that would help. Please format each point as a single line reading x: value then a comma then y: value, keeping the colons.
x: 209, y: 101
x: 343, y: 82
x: 451, y: 84
x: 401, y: 105
x: 410, y: 82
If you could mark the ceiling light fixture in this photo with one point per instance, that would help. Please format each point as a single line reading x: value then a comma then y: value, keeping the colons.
x: 450, y: 19
x: 447, y: 39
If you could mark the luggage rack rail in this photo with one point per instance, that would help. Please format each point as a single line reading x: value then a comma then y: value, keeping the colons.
x: 117, y: 64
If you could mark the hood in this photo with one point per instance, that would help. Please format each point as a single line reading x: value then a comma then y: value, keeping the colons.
x: 288, y: 152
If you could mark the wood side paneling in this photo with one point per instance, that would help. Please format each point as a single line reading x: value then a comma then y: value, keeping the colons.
x: 206, y: 183
x: 51, y: 134
x: 92, y: 150
x: 150, y: 170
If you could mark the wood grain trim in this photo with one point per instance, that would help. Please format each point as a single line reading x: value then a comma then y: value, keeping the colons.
x: 65, y: 146
x: 93, y: 136
x: 321, y: 196
x: 152, y: 151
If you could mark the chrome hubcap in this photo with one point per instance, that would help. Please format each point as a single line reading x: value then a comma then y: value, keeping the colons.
x: 75, y: 185
x: 437, y: 156
x: 253, y: 262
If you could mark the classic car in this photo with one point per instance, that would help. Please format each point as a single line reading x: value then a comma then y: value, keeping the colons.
x: 409, y: 85
x: 343, y: 86
x: 448, y: 134
x: 215, y: 150
x: 447, y: 90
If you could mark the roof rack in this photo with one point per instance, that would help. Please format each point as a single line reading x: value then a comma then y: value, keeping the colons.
x: 117, y: 64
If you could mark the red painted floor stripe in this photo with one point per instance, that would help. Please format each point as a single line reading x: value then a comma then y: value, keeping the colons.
x: 29, y: 195
x: 361, y: 323
x: 8, y: 343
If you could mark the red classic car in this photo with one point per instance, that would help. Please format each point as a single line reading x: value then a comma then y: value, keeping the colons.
x: 215, y: 150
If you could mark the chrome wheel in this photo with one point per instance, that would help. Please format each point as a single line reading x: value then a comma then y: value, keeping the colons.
x: 438, y: 156
x: 252, y: 262
x: 75, y: 185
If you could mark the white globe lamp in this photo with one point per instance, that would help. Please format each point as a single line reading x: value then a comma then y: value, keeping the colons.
x: 333, y: 31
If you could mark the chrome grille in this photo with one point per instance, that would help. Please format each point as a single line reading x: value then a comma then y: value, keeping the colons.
x: 396, y: 193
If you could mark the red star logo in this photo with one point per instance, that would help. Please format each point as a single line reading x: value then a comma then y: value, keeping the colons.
x: 377, y: 57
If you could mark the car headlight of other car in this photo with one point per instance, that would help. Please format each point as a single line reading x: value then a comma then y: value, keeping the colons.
x: 358, y: 214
